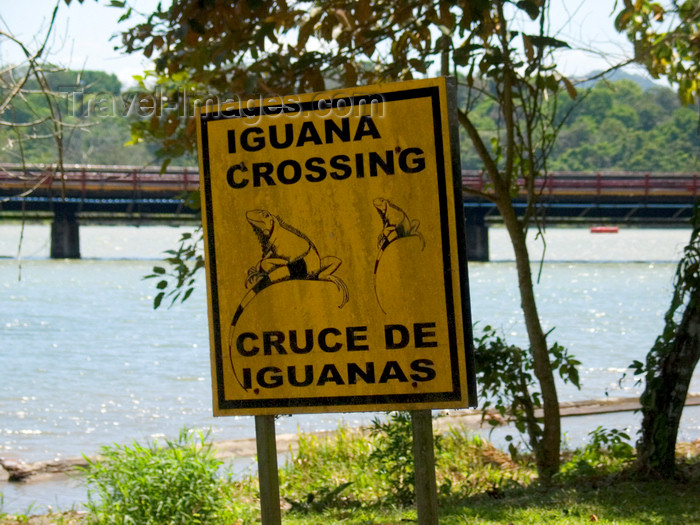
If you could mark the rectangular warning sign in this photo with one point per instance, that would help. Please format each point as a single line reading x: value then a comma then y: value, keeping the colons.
x: 334, y: 242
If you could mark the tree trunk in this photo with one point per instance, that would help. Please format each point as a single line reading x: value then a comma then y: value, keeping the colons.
x: 547, y: 454
x: 664, y: 398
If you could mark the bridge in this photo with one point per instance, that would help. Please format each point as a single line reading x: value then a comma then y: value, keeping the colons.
x: 95, y: 194
x: 141, y: 195
x: 599, y: 198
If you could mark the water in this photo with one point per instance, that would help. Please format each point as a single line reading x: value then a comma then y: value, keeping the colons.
x: 86, y: 361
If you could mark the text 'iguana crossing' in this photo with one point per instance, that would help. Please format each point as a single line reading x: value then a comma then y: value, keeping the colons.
x: 316, y: 167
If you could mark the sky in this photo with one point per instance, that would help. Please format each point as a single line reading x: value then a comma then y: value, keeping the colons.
x: 83, y: 34
x: 82, y: 37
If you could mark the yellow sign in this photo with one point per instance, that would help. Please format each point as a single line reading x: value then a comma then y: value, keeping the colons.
x: 335, y: 252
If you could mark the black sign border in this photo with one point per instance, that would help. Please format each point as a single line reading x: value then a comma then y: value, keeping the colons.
x: 360, y: 402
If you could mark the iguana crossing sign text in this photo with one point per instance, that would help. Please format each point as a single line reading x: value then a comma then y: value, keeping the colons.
x: 335, y: 252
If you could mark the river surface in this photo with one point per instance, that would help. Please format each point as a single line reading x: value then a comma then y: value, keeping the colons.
x: 85, y: 361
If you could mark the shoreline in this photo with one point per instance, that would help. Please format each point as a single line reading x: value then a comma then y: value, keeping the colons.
x: 18, y: 471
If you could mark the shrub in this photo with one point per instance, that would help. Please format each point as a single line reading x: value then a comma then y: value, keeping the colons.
x: 176, y: 483
x: 608, y: 451
x: 506, y: 377
x: 393, y: 455
x: 329, y: 471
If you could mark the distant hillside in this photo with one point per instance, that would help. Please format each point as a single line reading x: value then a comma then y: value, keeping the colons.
x: 619, y: 125
x: 613, y: 76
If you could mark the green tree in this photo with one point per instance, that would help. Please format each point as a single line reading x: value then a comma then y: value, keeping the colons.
x: 669, y: 367
x: 619, y: 127
x: 31, y: 112
x: 650, y: 111
x: 87, y: 80
x: 599, y: 101
x: 89, y: 136
x: 627, y: 115
x: 499, y: 49
x: 666, y: 40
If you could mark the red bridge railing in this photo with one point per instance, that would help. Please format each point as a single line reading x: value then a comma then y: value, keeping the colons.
x: 598, y: 184
x: 92, y: 179
x: 99, y: 179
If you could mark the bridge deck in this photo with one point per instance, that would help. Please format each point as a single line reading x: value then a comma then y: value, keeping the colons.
x: 145, y: 191
x: 131, y: 194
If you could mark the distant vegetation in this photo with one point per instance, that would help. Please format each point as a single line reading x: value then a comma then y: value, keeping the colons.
x: 95, y: 108
x: 614, y: 126
x: 620, y: 127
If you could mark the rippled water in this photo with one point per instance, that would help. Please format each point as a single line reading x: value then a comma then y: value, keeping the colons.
x: 86, y: 361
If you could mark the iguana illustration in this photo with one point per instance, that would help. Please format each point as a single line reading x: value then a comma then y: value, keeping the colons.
x: 287, y: 254
x: 395, y: 225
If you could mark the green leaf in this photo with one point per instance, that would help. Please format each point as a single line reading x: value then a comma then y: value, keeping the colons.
x: 531, y: 8
x: 418, y: 65
x: 570, y: 89
x: 622, y: 19
x: 196, y: 26
x: 462, y: 54
x: 164, y: 165
x: 158, y: 299
x: 547, y: 41
x: 125, y: 16
x: 162, y: 284
x: 193, y: 200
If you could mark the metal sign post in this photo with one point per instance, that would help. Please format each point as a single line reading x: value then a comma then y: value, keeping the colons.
x: 335, y: 251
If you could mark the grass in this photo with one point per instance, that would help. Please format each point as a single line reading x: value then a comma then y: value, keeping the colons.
x: 71, y: 517
x: 481, y: 484
x: 609, y: 500
x: 340, y: 479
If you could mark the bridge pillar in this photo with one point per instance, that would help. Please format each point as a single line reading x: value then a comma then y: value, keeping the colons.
x: 477, y: 234
x: 65, y: 235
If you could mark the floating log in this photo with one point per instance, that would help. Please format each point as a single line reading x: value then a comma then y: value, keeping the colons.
x: 19, y: 470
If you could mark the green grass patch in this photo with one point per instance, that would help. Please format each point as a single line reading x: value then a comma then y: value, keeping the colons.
x: 356, y: 477
x: 610, y: 500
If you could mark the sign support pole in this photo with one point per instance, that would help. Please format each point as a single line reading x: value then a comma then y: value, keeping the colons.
x: 267, y: 470
x: 424, y: 458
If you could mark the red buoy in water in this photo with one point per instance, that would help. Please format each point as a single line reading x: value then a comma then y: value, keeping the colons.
x: 604, y: 229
